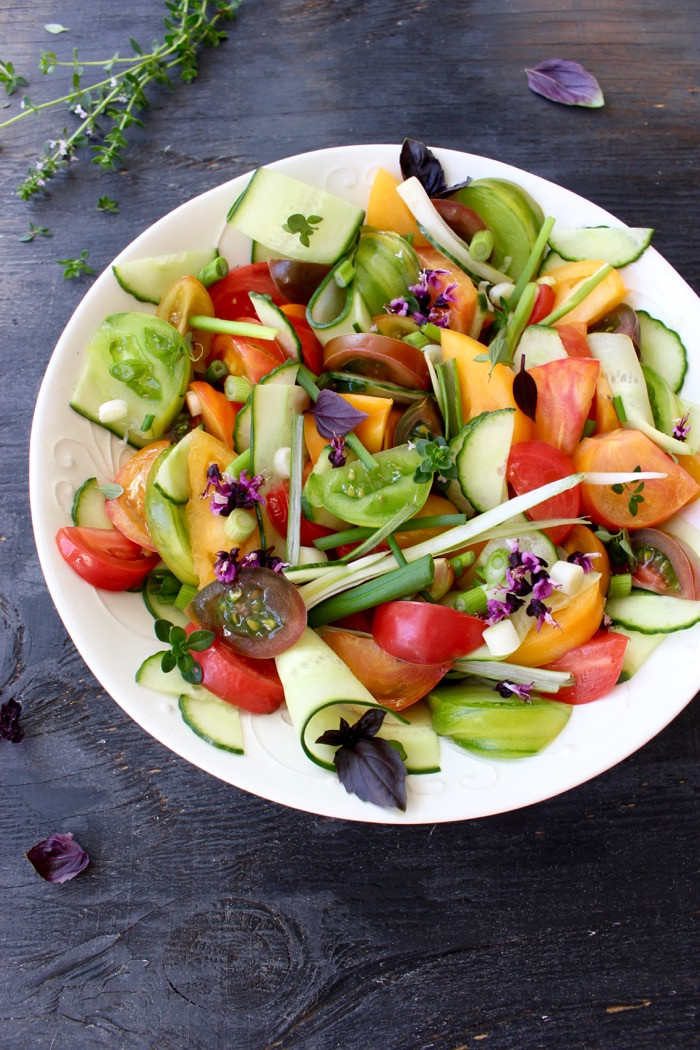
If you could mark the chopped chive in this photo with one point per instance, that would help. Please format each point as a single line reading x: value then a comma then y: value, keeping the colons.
x: 416, y: 576
x: 619, y: 408
x: 147, y: 422
x: 472, y: 602
x: 237, y: 388
x: 216, y: 324
x: 461, y: 563
x: 239, y: 464
x: 217, y: 370
x: 185, y: 595
x: 213, y: 271
x: 377, y: 536
x: 344, y: 273
x: 577, y: 296
x: 239, y: 525
x: 620, y: 585
x: 588, y: 428
x: 433, y: 332
x: 481, y: 245
x: 357, y: 327
x: 339, y: 539
x: 417, y: 339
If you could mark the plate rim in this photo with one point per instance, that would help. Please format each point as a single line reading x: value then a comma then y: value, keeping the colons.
x: 329, y: 803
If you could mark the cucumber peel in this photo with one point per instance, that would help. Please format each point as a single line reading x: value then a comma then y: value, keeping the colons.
x: 617, y: 245
x: 149, y: 279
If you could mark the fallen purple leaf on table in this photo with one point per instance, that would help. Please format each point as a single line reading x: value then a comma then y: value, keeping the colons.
x: 58, y: 858
x: 561, y: 80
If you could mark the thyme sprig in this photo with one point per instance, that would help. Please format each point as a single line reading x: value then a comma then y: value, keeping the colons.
x: 107, y: 108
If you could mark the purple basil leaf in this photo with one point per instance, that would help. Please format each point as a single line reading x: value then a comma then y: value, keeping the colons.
x: 373, y: 771
x: 10, y: 729
x: 567, y: 82
x: 334, y: 416
x: 370, y: 723
x: 58, y: 858
x: 525, y: 391
x: 416, y: 159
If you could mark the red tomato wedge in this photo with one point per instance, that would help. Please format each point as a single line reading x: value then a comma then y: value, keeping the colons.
x: 544, y: 301
x: 565, y: 391
x: 252, y: 685
x: 105, y: 557
x: 277, y: 507
x: 393, y: 683
x: 127, y: 511
x: 629, y: 450
x: 596, y: 666
x: 422, y: 633
x: 535, y: 463
x: 252, y: 358
x: 573, y: 336
x: 230, y: 295
x: 217, y: 412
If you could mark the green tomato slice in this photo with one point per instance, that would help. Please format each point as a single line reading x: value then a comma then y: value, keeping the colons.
x: 370, y: 497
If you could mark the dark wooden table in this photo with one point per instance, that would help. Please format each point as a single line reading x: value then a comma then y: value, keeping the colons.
x: 210, y: 918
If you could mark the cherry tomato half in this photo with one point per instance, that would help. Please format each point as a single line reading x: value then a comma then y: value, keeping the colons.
x: 260, y: 614
x: 544, y: 301
x: 535, y: 463
x: 423, y: 633
x: 127, y: 512
x: 378, y: 356
x: 596, y: 666
x: 252, y: 685
x: 105, y: 557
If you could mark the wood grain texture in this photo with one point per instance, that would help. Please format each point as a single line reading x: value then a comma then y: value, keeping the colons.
x: 212, y: 919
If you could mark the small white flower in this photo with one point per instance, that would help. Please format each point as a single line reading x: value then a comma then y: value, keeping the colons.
x: 79, y: 111
x: 113, y: 82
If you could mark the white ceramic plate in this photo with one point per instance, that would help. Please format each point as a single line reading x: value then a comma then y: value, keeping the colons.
x: 114, y: 632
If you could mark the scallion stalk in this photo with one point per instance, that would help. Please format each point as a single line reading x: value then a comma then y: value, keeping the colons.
x: 416, y: 339
x: 361, y: 532
x: 577, y: 296
x: 481, y: 245
x: 532, y: 264
x: 344, y: 273
x: 246, y: 328
x: 432, y: 331
x: 619, y: 408
x: 377, y: 536
x: 239, y: 464
x: 392, y: 585
x: 213, y: 271
x: 296, y: 483
x: 472, y: 602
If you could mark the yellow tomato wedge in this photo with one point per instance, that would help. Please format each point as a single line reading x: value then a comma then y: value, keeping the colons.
x: 604, y: 297
x: 483, y: 387
x: 578, y: 621
x: 370, y: 431
x: 386, y: 210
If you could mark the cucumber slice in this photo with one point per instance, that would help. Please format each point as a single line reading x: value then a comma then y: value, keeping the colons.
x: 88, y: 508
x: 213, y: 720
x: 617, y: 245
x: 665, y: 407
x: 550, y: 262
x: 295, y: 220
x: 483, y: 458
x: 149, y: 279
x: 620, y: 366
x: 283, y: 375
x: 333, y: 310
x: 539, y: 344
x: 348, y: 383
x: 173, y: 480
x: 320, y: 689
x: 269, y: 313
x: 662, y: 349
x: 653, y: 613
x: 639, y: 649
x: 151, y: 594
x: 260, y: 253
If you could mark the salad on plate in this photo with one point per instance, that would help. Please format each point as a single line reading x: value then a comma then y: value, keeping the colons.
x: 412, y: 473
